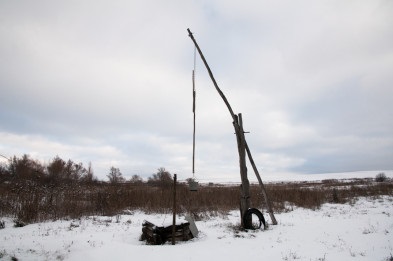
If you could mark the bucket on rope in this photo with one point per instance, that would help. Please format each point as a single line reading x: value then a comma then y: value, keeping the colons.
x: 193, y: 185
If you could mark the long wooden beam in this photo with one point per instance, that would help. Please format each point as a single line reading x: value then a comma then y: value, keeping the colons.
x: 212, y: 77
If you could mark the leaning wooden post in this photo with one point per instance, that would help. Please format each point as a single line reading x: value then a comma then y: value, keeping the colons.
x: 267, y: 201
x: 174, y: 209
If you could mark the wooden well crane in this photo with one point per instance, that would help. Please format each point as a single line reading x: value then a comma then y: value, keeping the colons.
x: 243, y: 150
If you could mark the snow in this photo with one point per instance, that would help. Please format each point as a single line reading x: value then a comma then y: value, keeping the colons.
x: 325, y: 176
x: 272, y: 177
x: 361, y: 230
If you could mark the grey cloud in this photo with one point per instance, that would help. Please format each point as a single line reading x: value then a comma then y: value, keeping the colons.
x: 312, y: 80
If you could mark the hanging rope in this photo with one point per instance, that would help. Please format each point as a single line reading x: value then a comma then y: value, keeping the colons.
x: 193, y: 110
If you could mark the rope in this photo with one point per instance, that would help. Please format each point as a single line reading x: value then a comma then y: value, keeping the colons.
x: 193, y: 110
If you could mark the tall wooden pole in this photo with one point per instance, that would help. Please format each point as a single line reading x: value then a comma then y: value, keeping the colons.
x: 174, y: 209
x: 245, y: 187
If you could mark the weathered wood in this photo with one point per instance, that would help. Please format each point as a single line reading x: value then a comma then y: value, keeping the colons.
x: 211, y: 76
x: 242, y: 147
x: 245, y: 194
x: 193, y: 111
x: 245, y: 187
x: 193, y: 228
x: 174, y: 209
x: 154, y: 235
x: 262, y: 186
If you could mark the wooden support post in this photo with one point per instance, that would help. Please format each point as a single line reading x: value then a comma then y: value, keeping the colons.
x: 245, y: 187
x: 174, y: 210
x: 267, y: 201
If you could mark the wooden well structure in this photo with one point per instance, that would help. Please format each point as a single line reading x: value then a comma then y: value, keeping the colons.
x: 243, y: 151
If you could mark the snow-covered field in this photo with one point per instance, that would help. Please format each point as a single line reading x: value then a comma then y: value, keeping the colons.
x: 268, y: 177
x: 362, y: 230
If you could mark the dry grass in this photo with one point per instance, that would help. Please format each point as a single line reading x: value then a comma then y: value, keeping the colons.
x: 32, y: 201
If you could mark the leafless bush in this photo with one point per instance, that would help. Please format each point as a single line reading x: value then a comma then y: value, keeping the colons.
x: 381, y: 177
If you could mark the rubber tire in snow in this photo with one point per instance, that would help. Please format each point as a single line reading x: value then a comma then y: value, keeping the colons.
x: 248, y: 215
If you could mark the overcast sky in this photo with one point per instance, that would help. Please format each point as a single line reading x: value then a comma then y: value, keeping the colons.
x: 109, y: 82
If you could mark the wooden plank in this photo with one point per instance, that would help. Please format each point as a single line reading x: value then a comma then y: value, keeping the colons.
x: 155, y: 235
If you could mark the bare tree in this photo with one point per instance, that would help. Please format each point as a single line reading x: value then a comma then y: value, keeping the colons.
x: 89, y: 175
x: 115, y: 176
x: 136, y: 179
x: 25, y: 168
x: 161, y: 178
x: 57, y: 169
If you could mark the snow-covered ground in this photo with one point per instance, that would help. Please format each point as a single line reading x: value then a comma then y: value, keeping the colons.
x: 362, y: 230
x: 268, y: 177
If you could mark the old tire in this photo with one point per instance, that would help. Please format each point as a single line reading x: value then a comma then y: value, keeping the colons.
x: 248, y: 216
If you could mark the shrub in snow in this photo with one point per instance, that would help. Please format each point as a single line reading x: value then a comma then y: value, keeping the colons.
x: 380, y: 177
x: 2, y: 224
x: 19, y: 223
x: 335, y: 196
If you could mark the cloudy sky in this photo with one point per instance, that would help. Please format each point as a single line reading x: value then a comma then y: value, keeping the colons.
x: 109, y: 82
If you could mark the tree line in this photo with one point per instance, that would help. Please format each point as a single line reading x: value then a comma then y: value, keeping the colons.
x: 59, y: 170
